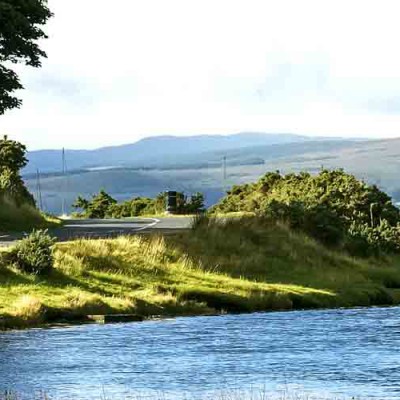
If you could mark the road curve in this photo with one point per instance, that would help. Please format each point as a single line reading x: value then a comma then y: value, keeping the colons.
x: 104, y: 228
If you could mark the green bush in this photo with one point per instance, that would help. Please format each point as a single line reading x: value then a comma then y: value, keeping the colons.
x: 17, y: 206
x: 97, y: 207
x: 333, y: 207
x: 318, y: 221
x: 33, y: 254
x: 364, y: 240
x: 136, y: 207
x: 102, y: 205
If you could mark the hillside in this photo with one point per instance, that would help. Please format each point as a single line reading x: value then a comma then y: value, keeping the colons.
x: 19, y: 218
x: 153, y: 151
x: 237, y: 265
x: 377, y: 162
x: 17, y: 206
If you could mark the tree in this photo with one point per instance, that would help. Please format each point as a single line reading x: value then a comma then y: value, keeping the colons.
x: 195, y: 204
x: 100, y: 204
x: 81, y: 203
x: 20, y: 30
x: 97, y: 207
x: 12, y: 159
x: 12, y: 155
x: 333, y: 207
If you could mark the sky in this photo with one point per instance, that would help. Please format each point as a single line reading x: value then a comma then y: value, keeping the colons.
x: 118, y: 71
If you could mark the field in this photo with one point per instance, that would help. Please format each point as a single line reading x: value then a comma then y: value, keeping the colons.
x: 224, y: 265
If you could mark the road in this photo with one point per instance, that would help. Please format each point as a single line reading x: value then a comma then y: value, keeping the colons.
x: 104, y: 228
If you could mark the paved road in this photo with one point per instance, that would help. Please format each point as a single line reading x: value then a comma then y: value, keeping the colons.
x: 103, y: 228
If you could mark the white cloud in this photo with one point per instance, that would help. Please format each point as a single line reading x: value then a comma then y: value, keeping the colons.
x: 118, y: 71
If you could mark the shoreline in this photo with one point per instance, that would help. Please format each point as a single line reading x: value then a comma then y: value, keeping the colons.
x: 62, y: 323
x: 239, y: 266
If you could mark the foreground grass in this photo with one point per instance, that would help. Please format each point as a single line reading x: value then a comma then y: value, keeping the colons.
x: 229, y: 265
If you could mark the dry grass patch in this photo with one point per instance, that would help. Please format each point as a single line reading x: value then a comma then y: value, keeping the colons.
x: 28, y: 308
x: 239, y: 265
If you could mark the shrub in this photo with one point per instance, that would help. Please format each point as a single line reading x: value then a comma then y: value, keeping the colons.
x: 135, y: 207
x: 12, y: 160
x: 333, y: 207
x: 195, y: 205
x: 97, y: 207
x: 364, y: 240
x: 318, y: 221
x: 102, y: 205
x: 33, y: 254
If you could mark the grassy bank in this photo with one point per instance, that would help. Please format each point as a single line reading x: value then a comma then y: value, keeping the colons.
x: 231, y: 265
x: 15, y: 218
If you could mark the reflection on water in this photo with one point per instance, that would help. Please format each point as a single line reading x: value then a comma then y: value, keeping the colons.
x: 340, y: 353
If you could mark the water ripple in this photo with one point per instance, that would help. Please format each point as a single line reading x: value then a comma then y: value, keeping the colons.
x: 335, y: 352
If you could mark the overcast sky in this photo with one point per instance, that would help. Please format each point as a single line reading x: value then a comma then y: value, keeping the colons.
x: 121, y: 70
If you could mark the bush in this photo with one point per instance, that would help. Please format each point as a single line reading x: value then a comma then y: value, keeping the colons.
x: 135, y: 207
x: 364, y: 240
x: 333, y: 207
x: 33, y: 254
x: 102, y: 205
x: 318, y: 221
x: 97, y: 207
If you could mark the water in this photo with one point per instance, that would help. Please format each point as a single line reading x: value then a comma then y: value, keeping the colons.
x: 335, y: 353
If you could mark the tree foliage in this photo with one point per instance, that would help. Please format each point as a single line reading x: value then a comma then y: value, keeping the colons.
x: 97, y: 207
x: 103, y: 205
x: 332, y: 206
x: 21, y: 24
x: 12, y: 159
x: 12, y: 155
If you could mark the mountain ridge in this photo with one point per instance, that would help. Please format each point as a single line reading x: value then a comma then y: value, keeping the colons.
x: 151, y: 149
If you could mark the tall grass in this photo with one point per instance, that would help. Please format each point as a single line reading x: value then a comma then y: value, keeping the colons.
x: 14, y: 218
x: 221, y: 265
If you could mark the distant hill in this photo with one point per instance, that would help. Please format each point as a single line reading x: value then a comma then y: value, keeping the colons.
x: 153, y: 151
x: 186, y: 168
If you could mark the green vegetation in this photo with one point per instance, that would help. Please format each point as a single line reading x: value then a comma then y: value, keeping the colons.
x: 223, y: 265
x: 376, y: 161
x: 97, y: 207
x: 17, y: 206
x: 20, y: 31
x: 33, y: 254
x: 332, y: 206
x: 18, y: 218
x: 102, y: 205
x: 12, y: 160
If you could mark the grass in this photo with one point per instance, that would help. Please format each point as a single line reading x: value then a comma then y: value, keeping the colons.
x: 234, y: 214
x: 221, y: 265
x: 15, y: 218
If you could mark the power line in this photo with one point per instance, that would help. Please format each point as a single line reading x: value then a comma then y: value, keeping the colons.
x: 225, y: 175
x: 39, y: 191
x: 64, y: 174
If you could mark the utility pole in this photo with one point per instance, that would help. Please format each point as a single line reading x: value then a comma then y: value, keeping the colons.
x: 64, y: 173
x: 39, y: 191
x: 225, y: 174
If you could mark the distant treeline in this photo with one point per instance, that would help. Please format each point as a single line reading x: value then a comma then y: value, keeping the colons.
x: 102, y: 205
x: 333, y: 207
